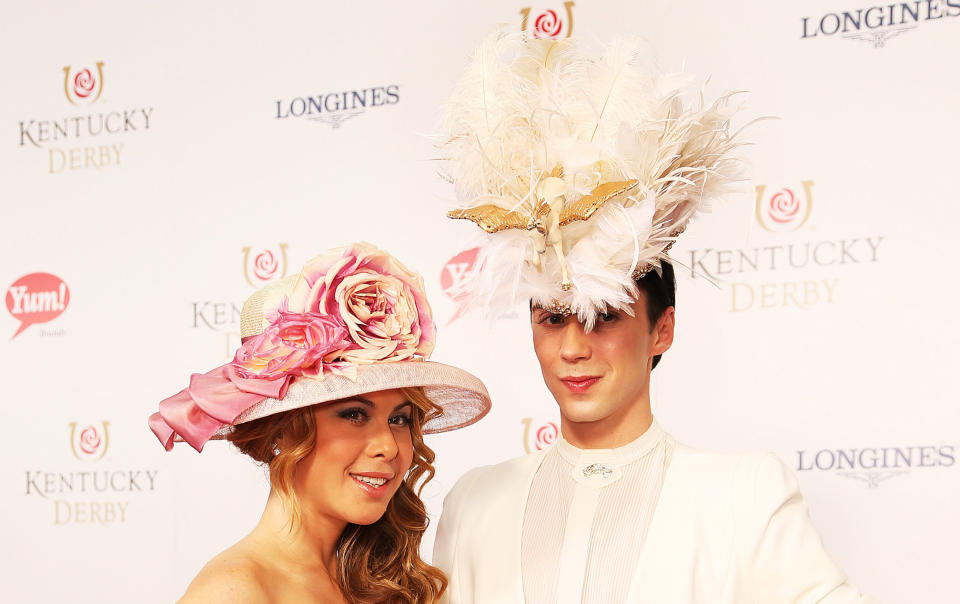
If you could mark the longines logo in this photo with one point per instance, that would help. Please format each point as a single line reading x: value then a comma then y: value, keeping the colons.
x: 878, y: 24
x: 37, y: 298
x: 336, y: 108
x: 549, y: 23
x: 873, y: 465
x: 83, y: 86
x: 538, y: 436
x: 96, y: 495
x: 783, y: 212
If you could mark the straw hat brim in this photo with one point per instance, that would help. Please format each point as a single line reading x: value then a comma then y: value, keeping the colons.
x: 461, y: 395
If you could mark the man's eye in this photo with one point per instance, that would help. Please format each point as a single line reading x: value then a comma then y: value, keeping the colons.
x: 355, y: 414
x: 552, y: 319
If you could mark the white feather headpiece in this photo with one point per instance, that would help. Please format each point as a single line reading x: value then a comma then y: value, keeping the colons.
x: 581, y: 170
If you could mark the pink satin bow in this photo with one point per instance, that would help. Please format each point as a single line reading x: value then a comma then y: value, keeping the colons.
x: 212, y: 400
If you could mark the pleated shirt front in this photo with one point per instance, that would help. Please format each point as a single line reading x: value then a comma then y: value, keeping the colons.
x: 587, y: 517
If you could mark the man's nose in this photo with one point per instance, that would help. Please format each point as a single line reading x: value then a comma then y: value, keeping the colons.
x: 574, y: 342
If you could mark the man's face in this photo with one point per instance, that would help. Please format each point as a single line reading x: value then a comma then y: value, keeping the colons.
x: 600, y: 375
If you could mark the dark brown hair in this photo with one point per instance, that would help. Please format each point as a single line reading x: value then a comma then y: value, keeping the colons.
x: 659, y: 292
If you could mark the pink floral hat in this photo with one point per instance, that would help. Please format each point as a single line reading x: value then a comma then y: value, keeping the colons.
x: 355, y: 320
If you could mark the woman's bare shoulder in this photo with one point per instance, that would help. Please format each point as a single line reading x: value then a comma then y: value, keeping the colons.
x: 232, y: 577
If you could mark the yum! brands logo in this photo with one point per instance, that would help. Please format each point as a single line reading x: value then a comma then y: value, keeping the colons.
x: 538, y: 436
x: 785, y: 209
x: 37, y: 298
x: 261, y: 266
x: 455, y: 273
x: 549, y: 23
x: 83, y: 86
x: 89, y: 443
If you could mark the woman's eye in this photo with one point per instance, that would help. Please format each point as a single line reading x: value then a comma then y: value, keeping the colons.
x: 400, y: 420
x: 353, y: 415
x: 607, y: 317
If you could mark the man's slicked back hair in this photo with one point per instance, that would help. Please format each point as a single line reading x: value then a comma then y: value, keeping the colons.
x: 660, y: 292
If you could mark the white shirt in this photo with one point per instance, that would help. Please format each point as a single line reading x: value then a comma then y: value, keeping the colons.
x: 586, y: 519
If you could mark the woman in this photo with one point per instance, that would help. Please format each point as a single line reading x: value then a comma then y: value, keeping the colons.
x: 331, y: 390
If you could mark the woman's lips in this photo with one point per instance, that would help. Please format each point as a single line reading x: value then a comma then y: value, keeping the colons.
x: 578, y: 384
x: 375, y: 491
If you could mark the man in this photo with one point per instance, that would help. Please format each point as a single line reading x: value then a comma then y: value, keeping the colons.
x: 617, y: 510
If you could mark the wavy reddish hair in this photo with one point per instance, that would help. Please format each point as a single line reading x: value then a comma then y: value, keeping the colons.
x: 379, y: 562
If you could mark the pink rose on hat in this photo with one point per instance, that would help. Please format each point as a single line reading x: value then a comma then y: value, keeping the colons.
x: 381, y: 302
x: 293, y: 344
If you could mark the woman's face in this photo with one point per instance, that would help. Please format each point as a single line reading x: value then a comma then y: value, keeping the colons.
x: 363, y: 451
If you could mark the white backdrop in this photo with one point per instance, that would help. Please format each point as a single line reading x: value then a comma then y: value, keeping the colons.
x: 162, y: 185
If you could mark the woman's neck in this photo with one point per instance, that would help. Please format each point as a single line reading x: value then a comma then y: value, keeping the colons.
x: 310, y: 545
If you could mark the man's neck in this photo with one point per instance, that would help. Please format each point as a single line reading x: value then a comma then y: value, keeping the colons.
x: 610, y: 432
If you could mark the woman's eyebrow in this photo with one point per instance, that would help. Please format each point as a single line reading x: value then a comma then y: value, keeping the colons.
x: 358, y: 399
x: 404, y: 404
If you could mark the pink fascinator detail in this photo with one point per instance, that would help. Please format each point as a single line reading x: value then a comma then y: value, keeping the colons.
x: 350, y: 306
x: 293, y: 344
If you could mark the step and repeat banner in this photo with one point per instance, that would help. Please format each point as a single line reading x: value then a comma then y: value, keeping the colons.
x: 159, y: 164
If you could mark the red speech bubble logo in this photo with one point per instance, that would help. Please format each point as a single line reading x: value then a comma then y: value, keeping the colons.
x: 37, y: 298
x: 455, y: 272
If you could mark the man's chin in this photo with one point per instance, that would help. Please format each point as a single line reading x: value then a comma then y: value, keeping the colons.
x: 582, y: 411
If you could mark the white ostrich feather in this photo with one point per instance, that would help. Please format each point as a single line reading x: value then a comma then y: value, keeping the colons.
x: 526, y: 110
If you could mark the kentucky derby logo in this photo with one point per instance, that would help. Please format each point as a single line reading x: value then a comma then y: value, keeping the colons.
x: 89, y: 443
x: 541, y: 437
x: 548, y: 24
x: 264, y: 265
x: 454, y: 275
x: 83, y: 86
x: 785, y: 209
x: 37, y: 298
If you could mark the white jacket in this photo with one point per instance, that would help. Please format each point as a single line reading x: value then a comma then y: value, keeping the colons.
x: 727, y: 529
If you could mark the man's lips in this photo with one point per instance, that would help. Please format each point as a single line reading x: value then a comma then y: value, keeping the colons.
x: 579, y: 383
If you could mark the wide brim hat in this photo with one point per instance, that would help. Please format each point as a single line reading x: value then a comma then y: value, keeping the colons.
x: 354, y: 321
